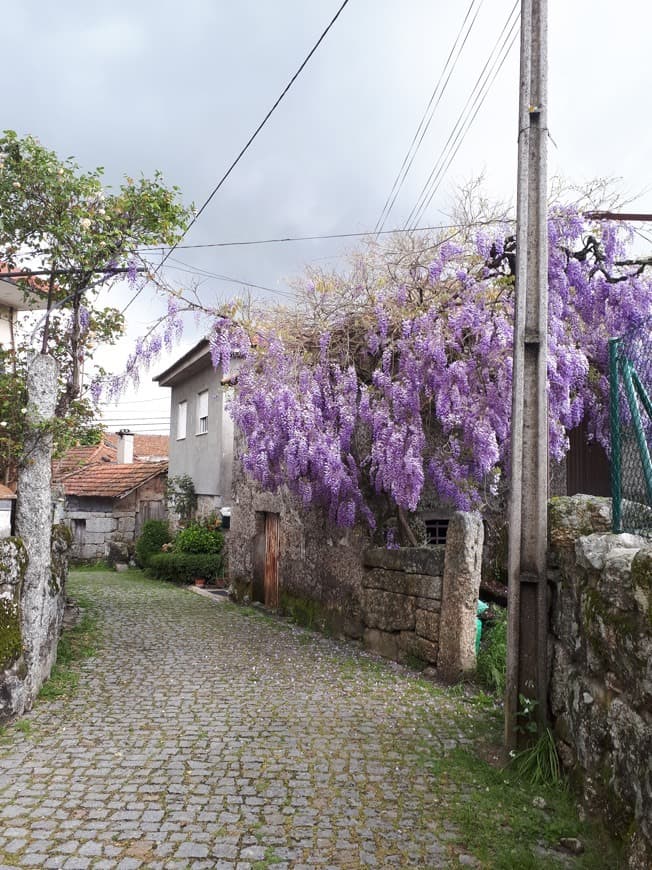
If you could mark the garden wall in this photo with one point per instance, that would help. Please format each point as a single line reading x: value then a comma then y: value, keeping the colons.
x: 406, y: 604
x: 601, y: 665
x: 27, y: 651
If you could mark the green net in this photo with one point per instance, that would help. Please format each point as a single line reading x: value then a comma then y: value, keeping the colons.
x: 630, y: 374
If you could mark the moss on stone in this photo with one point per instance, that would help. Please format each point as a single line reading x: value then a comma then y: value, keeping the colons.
x: 642, y: 578
x: 304, y: 611
x: 596, y: 605
x: 11, y: 645
x: 13, y: 556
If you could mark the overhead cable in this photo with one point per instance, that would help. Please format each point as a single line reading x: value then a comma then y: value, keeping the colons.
x: 475, y: 99
x: 428, y: 114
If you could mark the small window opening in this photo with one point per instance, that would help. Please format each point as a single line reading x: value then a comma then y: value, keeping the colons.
x: 436, y: 531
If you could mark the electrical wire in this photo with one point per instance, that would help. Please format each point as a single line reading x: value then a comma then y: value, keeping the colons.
x: 195, y: 270
x: 253, y: 136
x: 326, y: 236
x: 462, y: 135
x: 475, y: 99
x: 246, y: 147
x: 427, y: 116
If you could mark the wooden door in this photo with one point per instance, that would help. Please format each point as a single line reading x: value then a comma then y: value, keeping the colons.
x: 271, y: 560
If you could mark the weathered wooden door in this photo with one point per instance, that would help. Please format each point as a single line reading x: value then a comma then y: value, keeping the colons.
x: 271, y: 560
x: 149, y: 510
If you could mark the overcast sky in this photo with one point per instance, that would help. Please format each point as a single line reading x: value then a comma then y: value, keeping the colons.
x: 140, y: 85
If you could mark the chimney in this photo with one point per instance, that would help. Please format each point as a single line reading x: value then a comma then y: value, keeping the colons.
x: 125, y: 447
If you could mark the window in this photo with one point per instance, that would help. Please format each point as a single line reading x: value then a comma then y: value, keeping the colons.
x: 436, y: 531
x: 182, y: 418
x: 202, y: 412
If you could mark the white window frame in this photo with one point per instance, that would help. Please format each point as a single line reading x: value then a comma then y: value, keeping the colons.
x: 182, y: 420
x: 202, y: 412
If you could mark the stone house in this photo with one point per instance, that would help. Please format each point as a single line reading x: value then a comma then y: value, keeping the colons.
x: 104, y: 497
x: 201, y: 428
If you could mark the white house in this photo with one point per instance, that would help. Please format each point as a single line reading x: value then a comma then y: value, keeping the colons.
x: 201, y: 428
x: 17, y: 295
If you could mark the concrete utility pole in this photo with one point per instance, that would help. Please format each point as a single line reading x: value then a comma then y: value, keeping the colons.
x: 527, y: 621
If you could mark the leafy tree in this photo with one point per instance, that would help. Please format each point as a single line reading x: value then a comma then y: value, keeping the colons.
x: 57, y: 218
x: 181, y: 496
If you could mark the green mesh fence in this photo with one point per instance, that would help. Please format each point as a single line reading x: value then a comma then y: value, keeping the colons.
x: 630, y: 375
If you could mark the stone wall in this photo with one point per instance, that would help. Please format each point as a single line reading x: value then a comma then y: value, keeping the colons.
x: 109, y: 527
x: 22, y: 675
x: 601, y: 665
x: 401, y: 602
x: 318, y: 564
x: 407, y: 604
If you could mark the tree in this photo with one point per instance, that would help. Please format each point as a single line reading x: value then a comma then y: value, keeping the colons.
x: 386, y: 384
x: 56, y: 218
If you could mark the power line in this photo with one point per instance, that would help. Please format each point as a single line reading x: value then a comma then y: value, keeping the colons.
x: 263, y: 122
x: 193, y: 270
x: 424, y: 124
x: 478, y: 93
x: 457, y: 144
x: 246, y: 147
x: 322, y: 237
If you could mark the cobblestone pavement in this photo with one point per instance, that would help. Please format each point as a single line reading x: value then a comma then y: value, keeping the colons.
x: 203, y: 735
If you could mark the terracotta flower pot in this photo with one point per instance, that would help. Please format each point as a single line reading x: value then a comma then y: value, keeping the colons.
x: 199, y: 581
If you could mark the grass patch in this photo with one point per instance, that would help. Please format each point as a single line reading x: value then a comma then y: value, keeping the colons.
x: 539, y: 763
x: 269, y: 860
x: 508, y: 823
x: 492, y: 658
x: 75, y: 645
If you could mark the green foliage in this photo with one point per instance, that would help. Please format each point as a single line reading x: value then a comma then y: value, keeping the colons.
x: 497, y: 817
x: 79, y: 230
x: 75, y: 645
x: 155, y: 533
x: 199, y: 538
x: 539, y: 763
x: 181, y: 495
x: 185, y: 568
x: 10, y: 637
x: 492, y: 658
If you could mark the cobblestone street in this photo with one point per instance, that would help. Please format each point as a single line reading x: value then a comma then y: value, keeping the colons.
x: 202, y: 735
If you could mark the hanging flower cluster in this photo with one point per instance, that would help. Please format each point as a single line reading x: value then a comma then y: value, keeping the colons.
x: 395, y: 395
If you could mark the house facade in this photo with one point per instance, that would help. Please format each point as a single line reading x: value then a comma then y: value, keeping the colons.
x: 17, y: 295
x: 104, y: 496
x: 201, y: 428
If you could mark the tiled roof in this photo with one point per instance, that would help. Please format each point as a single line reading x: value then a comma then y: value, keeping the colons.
x: 146, y: 448
x: 111, y: 480
x: 144, y: 445
x: 78, y: 457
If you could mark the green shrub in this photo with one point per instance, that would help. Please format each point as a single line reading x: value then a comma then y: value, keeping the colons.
x: 155, y: 533
x: 185, y: 568
x: 199, y: 538
x: 492, y: 658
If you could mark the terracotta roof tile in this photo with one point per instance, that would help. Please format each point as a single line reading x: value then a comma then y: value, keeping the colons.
x: 110, y: 479
x: 147, y: 448
x: 5, y: 492
x: 144, y: 445
x: 78, y: 457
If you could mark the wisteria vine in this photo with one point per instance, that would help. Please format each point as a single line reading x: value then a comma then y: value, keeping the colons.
x: 412, y: 395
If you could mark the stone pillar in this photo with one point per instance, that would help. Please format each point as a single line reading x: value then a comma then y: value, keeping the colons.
x: 42, y: 599
x: 460, y: 590
x: 13, y: 561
